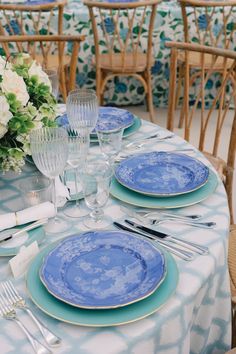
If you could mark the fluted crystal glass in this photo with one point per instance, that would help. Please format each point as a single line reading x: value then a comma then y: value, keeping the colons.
x: 82, y: 109
x: 49, y: 148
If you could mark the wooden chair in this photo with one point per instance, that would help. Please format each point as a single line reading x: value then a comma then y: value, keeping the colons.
x: 232, y: 274
x: 118, y: 29
x: 43, y: 19
x: 207, y: 23
x: 210, y: 120
x: 32, y: 45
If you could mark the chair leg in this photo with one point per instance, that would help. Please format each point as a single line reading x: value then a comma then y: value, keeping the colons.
x: 149, y: 95
x: 63, y: 84
x: 179, y: 85
x: 98, y: 85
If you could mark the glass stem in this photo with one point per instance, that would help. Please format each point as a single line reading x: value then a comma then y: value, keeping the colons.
x: 77, y: 204
x: 97, y: 214
x: 54, y: 197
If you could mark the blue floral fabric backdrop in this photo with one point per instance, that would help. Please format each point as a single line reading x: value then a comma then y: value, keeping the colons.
x: 126, y: 91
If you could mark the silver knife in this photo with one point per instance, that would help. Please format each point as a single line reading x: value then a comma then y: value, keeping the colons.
x: 202, y: 250
x: 32, y: 226
x: 187, y: 256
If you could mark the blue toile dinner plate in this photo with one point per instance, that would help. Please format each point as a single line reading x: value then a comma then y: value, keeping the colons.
x: 178, y: 201
x: 103, y: 269
x: 109, y: 119
x: 107, y: 317
x: 162, y: 173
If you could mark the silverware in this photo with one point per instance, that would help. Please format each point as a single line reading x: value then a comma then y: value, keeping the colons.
x: 187, y: 256
x: 155, y: 219
x: 137, y: 144
x: 151, y: 213
x: 8, y: 312
x: 24, y: 229
x: 188, y: 244
x: 16, y: 300
x: 202, y: 225
x: 123, y: 157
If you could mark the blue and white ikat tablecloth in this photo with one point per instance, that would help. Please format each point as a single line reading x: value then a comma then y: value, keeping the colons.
x: 197, y: 318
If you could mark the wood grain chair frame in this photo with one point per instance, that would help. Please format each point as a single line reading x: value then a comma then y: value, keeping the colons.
x: 232, y: 275
x: 207, y: 23
x: 33, y: 19
x: 122, y: 46
x: 212, y: 118
x: 59, y: 41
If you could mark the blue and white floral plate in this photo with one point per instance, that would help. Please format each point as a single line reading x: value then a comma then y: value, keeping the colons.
x: 103, y: 269
x: 162, y: 173
x: 110, y: 119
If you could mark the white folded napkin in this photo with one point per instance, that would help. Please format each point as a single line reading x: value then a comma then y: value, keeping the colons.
x: 36, y: 212
x: 62, y: 193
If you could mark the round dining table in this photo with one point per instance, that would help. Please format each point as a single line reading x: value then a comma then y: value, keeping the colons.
x: 195, y: 319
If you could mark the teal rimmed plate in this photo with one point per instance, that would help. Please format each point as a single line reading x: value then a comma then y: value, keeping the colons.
x: 128, y: 196
x: 12, y: 247
x: 98, y: 318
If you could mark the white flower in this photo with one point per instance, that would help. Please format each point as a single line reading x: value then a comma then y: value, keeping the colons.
x: 13, y: 83
x: 5, y: 114
x: 3, y: 130
x: 4, y: 65
x: 36, y: 70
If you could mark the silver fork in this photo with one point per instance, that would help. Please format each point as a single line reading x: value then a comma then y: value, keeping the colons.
x: 8, y: 312
x: 139, y: 144
x: 17, y: 301
x: 152, y: 213
x: 203, y: 225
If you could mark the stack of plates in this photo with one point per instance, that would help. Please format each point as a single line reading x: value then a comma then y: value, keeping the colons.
x: 162, y: 180
x: 110, y: 119
x: 101, y: 278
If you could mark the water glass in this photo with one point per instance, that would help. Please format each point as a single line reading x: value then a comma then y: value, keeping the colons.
x: 110, y: 144
x: 96, y: 180
x: 78, y: 145
x: 49, y: 148
x: 82, y: 109
x: 53, y: 77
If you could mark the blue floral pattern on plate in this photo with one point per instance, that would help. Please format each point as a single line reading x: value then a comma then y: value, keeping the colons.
x: 103, y: 269
x: 110, y: 119
x: 162, y: 173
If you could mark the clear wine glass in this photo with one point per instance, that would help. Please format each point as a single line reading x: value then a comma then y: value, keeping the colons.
x: 82, y: 109
x: 53, y: 77
x: 78, y: 145
x: 110, y: 144
x: 49, y: 148
x: 96, y: 180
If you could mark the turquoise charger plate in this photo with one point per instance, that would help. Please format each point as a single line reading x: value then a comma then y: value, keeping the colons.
x: 127, y: 132
x: 98, y: 318
x: 130, y: 197
x: 32, y: 235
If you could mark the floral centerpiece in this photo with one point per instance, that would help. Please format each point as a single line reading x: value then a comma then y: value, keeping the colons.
x: 26, y: 103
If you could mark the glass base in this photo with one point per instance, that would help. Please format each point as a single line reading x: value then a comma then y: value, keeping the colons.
x: 56, y: 225
x: 100, y: 224
x: 75, y: 211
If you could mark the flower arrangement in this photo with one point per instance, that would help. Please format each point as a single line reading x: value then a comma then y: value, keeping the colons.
x: 26, y: 103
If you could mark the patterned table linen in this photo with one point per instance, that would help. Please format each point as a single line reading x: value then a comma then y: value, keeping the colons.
x: 195, y: 320
x: 125, y: 91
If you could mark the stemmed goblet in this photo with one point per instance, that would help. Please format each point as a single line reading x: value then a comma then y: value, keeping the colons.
x: 53, y: 77
x: 110, y: 144
x: 82, y: 110
x: 78, y: 145
x: 96, y: 179
x: 49, y: 148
